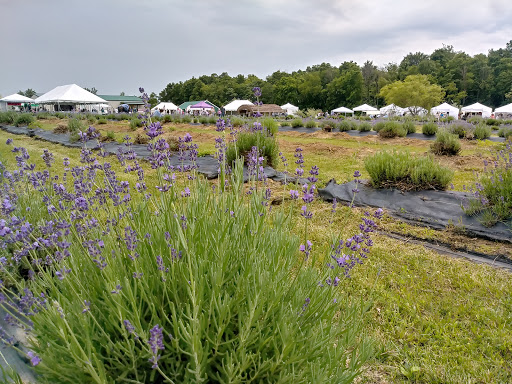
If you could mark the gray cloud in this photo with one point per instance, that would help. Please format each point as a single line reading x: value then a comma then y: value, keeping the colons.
x: 118, y: 45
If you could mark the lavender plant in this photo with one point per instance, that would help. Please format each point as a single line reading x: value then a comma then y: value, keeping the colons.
x: 492, y: 192
x: 140, y: 283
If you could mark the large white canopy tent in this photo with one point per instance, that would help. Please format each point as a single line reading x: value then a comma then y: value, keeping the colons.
x: 446, y: 108
x: 504, y: 111
x: 290, y: 109
x: 368, y: 109
x: 235, y: 104
x: 343, y: 110
x: 166, y: 107
x: 477, y: 108
x: 14, y: 99
x: 392, y: 110
x: 70, y: 94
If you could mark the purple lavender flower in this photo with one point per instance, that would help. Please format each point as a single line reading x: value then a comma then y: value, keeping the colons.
x: 34, y: 359
x: 87, y: 305
x: 156, y: 343
x: 185, y: 192
x: 294, y: 195
x: 306, y: 249
x: 305, y: 213
x: 257, y: 91
x: 221, y: 125
x: 8, y: 141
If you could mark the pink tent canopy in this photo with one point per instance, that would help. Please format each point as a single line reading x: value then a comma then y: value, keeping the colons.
x: 201, y: 104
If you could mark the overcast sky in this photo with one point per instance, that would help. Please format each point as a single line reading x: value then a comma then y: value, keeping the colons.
x: 119, y: 45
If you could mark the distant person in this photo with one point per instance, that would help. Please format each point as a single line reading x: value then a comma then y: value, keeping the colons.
x: 157, y: 113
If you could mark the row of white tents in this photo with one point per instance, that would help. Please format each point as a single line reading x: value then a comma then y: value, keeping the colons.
x: 442, y: 109
x: 229, y: 108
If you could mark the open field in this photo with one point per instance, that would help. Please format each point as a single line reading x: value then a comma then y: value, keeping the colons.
x: 435, y: 319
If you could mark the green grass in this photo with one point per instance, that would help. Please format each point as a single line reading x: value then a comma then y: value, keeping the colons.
x: 448, y: 317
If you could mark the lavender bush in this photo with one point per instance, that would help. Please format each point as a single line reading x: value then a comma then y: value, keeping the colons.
x: 179, y: 282
x: 493, y: 190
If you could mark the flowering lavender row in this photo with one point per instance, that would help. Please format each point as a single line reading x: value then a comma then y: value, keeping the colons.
x: 158, y: 283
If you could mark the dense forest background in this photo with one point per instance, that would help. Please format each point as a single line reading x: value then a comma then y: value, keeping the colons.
x: 465, y: 79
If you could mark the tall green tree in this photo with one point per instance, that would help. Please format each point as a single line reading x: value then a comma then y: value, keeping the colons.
x: 28, y: 93
x: 415, y: 90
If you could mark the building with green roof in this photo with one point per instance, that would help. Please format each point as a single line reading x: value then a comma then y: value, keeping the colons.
x: 134, y: 102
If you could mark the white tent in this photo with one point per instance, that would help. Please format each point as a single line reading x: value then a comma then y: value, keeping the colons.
x: 165, y: 107
x: 477, y: 108
x: 446, y: 108
x: 368, y: 109
x: 504, y: 111
x: 235, y: 104
x: 15, y: 99
x: 69, y: 94
x: 392, y: 110
x: 290, y: 109
x: 342, y: 110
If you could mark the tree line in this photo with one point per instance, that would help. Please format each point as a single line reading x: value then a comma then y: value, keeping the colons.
x: 463, y: 79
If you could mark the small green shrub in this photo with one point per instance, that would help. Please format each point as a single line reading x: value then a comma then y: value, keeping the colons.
x: 475, y: 120
x: 379, y: 126
x: 446, y: 144
x: 246, y: 140
x: 493, y: 122
x: 236, y: 121
x: 212, y: 120
x: 102, y: 121
x: 43, y: 116
x: 75, y: 125
x: 364, y: 127
x: 459, y: 130
x: 505, y: 132
x: 392, y: 129
x: 285, y: 123
x: 429, y: 129
x: 482, y: 132
x: 310, y: 124
x: 8, y: 117
x: 186, y: 119
x: 203, y: 120
x: 406, y: 172
x: 344, y: 126
x: 296, y: 123
x: 409, y: 126
x: 135, y: 123
x: 35, y: 125
x: 61, y: 115
x: 270, y: 125
x: 23, y: 119
x: 493, y: 190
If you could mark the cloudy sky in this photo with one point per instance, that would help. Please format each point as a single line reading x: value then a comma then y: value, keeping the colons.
x: 119, y: 45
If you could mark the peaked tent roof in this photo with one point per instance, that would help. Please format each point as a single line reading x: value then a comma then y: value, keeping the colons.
x: 289, y: 106
x: 70, y: 93
x: 365, y: 108
x: 342, y: 110
x: 16, y: 98
x: 187, y: 104
x: 477, y: 107
x: 391, y: 108
x: 445, y: 107
x: 504, y: 109
x: 201, y: 104
x: 165, y: 106
x: 235, y: 104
